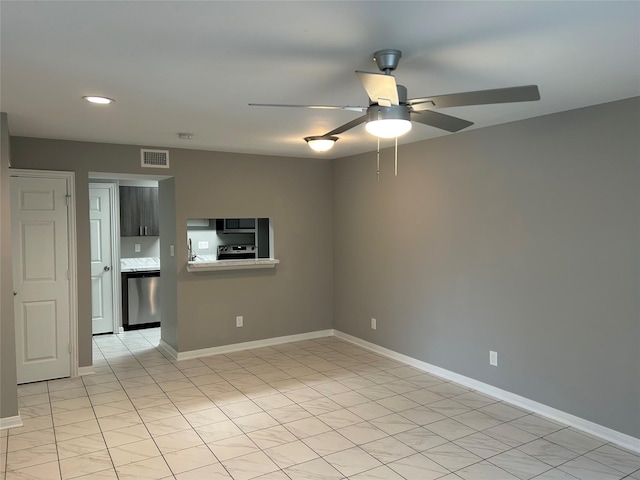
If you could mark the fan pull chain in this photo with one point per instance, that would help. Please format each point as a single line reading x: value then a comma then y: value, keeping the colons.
x: 378, y: 161
x: 396, y: 161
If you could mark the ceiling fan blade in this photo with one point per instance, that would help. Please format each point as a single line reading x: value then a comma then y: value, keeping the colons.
x: 382, y: 89
x: 525, y: 93
x: 317, y: 107
x: 346, y: 126
x: 439, y: 120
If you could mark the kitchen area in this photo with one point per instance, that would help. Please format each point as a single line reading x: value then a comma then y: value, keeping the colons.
x: 125, y: 254
x: 139, y: 256
x: 215, y: 244
x: 212, y: 244
x: 125, y: 246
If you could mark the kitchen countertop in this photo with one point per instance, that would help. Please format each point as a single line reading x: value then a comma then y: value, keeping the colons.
x: 209, y: 263
x: 141, y: 264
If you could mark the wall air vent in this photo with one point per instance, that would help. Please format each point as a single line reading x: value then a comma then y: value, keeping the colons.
x: 154, y: 158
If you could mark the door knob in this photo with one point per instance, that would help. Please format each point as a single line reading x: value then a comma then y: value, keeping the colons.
x: 106, y: 269
x: 15, y: 293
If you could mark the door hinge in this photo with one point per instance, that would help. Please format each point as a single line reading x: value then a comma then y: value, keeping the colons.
x: 69, y: 348
x: 68, y: 276
x: 68, y: 199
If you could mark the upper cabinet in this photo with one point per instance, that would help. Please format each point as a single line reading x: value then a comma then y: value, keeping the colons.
x: 139, y: 211
x: 236, y: 225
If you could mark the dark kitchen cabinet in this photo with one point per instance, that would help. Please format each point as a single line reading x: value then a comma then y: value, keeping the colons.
x: 262, y: 238
x: 139, y: 212
x: 236, y: 225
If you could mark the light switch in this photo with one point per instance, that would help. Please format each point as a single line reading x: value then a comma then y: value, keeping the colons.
x: 172, y: 250
x: 136, y: 248
x: 203, y: 245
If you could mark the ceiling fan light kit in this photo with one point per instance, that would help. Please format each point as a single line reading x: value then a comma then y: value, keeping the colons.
x: 320, y: 143
x: 388, y: 122
x: 390, y: 114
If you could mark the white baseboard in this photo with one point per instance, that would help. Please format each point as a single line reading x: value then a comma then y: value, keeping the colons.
x: 10, y: 422
x: 236, y: 347
x: 607, y: 434
x: 168, y: 349
x: 88, y: 370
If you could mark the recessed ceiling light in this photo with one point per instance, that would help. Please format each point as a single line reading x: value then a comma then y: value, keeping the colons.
x: 99, y: 100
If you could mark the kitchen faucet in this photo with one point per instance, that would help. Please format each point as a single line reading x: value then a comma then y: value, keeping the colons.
x: 191, y: 256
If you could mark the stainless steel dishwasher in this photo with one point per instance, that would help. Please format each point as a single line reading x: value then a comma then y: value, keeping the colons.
x: 141, y: 300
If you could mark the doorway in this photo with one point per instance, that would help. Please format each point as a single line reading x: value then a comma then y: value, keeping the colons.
x: 44, y: 274
x: 131, y: 251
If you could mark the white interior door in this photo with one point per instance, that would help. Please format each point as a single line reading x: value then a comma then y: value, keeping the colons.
x: 101, y: 259
x: 39, y: 222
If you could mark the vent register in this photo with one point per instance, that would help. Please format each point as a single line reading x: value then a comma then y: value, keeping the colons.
x: 154, y: 158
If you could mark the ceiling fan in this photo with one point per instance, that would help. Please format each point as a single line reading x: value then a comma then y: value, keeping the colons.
x: 390, y: 114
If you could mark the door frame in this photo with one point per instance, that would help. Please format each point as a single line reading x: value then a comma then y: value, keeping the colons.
x: 114, y: 205
x: 69, y: 177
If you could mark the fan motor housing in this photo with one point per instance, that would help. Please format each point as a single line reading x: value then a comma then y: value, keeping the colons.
x: 397, y: 112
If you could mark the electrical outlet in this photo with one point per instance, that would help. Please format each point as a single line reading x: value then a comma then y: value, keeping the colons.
x: 203, y: 245
x: 136, y: 248
x: 239, y: 321
x: 374, y: 323
x: 493, y: 358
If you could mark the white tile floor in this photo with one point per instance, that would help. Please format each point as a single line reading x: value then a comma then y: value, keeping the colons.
x: 318, y: 409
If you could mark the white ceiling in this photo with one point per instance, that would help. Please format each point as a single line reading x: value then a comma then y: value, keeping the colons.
x: 194, y: 66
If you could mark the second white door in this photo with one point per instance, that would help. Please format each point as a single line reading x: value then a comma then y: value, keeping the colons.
x: 101, y: 259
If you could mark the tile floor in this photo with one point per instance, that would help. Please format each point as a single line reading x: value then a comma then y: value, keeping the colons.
x: 317, y: 409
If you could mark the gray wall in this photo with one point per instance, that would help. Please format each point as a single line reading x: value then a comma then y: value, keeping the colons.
x: 168, y: 263
x: 8, y: 388
x: 521, y: 238
x: 295, y: 297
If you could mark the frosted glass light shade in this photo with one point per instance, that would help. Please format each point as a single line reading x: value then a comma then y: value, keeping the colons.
x: 388, y: 127
x: 388, y: 121
x: 321, y: 144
